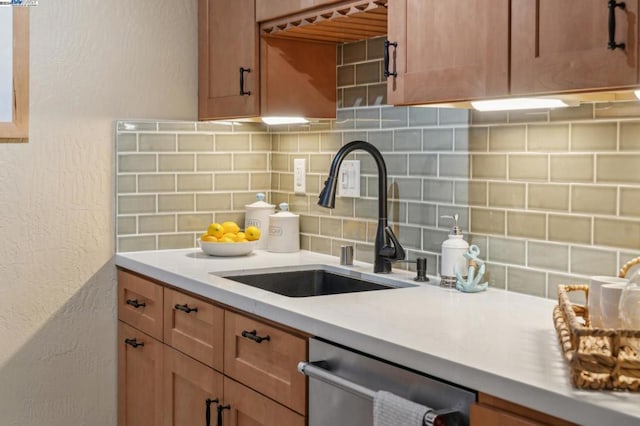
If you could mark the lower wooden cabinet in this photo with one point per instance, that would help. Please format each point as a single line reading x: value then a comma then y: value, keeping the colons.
x: 139, y: 378
x: 492, y: 411
x: 186, y: 376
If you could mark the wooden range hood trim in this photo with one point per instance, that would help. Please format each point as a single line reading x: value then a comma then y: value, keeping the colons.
x: 342, y: 23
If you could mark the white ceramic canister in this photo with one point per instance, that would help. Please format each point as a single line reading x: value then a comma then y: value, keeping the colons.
x: 284, y: 231
x: 257, y: 214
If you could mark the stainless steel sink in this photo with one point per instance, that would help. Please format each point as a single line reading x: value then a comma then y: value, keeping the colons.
x: 309, y: 282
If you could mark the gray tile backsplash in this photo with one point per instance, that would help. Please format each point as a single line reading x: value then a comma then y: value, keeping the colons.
x: 549, y: 197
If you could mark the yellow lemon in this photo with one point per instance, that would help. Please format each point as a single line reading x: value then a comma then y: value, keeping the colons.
x: 225, y: 240
x: 241, y: 240
x: 216, y: 230
x: 209, y: 239
x: 240, y: 236
x: 230, y: 227
x: 203, y: 235
x: 230, y: 235
x: 252, y: 233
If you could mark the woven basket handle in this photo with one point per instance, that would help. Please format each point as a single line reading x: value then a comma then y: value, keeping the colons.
x: 625, y: 268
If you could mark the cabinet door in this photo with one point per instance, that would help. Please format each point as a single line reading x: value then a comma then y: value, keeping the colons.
x: 448, y: 50
x: 188, y: 386
x: 227, y: 41
x: 194, y: 327
x: 266, y: 359
x: 562, y: 46
x: 140, y: 303
x: 139, y: 378
x: 249, y: 408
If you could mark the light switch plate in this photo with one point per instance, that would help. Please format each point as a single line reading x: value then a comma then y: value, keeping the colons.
x: 299, y: 175
x: 349, y: 179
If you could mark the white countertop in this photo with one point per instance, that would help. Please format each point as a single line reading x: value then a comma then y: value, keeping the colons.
x: 498, y: 342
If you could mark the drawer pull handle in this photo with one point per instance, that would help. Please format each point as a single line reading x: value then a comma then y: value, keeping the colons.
x: 612, y: 25
x: 253, y: 335
x: 207, y: 413
x: 185, y: 308
x: 242, y: 91
x: 135, y: 303
x: 133, y: 343
x: 220, y: 409
x: 387, y: 73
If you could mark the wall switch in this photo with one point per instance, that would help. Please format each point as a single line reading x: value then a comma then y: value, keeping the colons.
x: 349, y: 179
x: 299, y: 175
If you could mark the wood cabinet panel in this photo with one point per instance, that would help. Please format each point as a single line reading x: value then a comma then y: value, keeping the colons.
x: 298, y: 78
x: 492, y: 411
x: 139, y: 378
x: 198, y: 333
x: 448, y: 51
x: 188, y: 385
x: 249, y: 408
x: 140, y: 303
x: 562, y: 46
x: 227, y: 40
x: 269, y: 366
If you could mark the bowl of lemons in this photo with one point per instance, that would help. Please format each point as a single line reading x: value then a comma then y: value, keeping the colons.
x: 226, y: 239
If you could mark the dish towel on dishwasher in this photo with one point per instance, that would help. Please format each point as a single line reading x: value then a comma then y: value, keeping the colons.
x: 392, y: 410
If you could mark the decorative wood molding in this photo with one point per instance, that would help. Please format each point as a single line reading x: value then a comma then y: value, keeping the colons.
x: 356, y: 20
x: 18, y: 129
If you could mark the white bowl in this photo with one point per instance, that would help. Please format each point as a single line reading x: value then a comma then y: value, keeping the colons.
x: 227, y: 249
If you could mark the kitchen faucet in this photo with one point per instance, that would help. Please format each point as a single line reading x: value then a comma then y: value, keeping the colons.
x: 384, y: 253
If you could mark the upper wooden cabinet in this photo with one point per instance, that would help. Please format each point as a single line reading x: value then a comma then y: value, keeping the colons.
x: 235, y: 80
x: 563, y: 46
x: 270, y: 9
x: 227, y: 43
x: 448, y: 50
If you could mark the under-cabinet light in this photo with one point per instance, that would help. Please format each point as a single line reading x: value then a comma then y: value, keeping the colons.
x: 284, y: 120
x: 637, y: 93
x: 518, y: 103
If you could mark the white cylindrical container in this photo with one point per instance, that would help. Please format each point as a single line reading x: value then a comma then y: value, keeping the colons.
x: 453, y: 260
x: 284, y: 231
x: 257, y: 214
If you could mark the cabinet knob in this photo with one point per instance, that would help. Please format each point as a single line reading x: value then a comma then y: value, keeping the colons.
x: 135, y: 303
x: 253, y: 335
x: 185, y: 308
x: 133, y: 343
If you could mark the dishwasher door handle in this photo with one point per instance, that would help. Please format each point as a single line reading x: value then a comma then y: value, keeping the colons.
x: 315, y: 371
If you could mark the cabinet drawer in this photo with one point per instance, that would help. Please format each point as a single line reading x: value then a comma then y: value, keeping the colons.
x: 140, y: 303
x: 265, y: 358
x: 249, y: 408
x: 194, y: 327
x: 140, y: 364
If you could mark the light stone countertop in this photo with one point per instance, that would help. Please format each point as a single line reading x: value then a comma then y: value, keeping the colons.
x: 498, y: 342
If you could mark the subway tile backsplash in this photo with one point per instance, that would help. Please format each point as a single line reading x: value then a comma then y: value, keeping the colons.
x: 549, y: 197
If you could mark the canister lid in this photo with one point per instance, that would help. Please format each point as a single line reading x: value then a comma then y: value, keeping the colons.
x: 260, y: 204
x: 284, y: 211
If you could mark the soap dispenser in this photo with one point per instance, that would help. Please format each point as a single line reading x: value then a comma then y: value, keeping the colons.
x: 453, y: 250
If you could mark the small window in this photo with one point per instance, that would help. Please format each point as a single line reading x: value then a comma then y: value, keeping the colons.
x: 14, y: 74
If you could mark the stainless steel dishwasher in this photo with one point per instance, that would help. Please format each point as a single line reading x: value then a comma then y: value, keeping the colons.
x: 343, y: 382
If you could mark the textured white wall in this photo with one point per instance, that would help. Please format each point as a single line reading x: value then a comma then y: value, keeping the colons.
x: 92, y: 61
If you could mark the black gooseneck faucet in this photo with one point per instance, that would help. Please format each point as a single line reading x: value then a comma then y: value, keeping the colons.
x: 385, y: 253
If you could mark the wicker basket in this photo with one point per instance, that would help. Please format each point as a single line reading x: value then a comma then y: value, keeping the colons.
x: 598, y: 358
